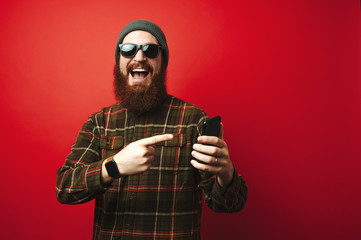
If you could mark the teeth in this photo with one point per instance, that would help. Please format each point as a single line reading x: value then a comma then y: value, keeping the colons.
x: 139, y: 70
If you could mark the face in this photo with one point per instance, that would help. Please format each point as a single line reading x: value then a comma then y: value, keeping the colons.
x: 139, y: 82
x: 139, y: 69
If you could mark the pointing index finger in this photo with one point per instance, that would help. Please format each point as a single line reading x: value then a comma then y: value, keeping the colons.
x: 156, y: 139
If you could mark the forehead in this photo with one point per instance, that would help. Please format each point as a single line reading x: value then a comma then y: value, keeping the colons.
x: 140, y: 37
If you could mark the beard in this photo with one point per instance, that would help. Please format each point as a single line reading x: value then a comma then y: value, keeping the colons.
x: 139, y: 99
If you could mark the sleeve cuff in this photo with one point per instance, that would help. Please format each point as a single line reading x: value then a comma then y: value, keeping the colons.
x: 228, y: 195
x: 92, y: 178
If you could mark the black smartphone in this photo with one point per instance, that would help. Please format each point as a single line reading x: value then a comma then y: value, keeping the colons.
x: 212, y: 126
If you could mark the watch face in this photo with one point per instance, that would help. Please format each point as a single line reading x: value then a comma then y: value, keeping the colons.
x: 112, y: 169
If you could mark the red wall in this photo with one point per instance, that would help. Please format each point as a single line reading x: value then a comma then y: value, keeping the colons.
x: 284, y: 75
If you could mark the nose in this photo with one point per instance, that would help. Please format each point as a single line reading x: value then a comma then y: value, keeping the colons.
x: 139, y: 56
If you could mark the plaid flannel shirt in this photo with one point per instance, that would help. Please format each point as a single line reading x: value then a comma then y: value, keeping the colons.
x: 163, y: 202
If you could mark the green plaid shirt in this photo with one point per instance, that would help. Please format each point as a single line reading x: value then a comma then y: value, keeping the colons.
x: 163, y: 202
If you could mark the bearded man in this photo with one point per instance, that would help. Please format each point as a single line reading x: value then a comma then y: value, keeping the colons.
x: 143, y: 159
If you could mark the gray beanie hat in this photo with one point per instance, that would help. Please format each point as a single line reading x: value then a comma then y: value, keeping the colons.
x: 148, y: 27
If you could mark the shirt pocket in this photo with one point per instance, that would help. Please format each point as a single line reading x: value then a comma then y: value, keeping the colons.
x: 176, y: 157
x: 111, y: 145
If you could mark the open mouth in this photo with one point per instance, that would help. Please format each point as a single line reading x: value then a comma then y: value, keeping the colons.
x: 139, y: 73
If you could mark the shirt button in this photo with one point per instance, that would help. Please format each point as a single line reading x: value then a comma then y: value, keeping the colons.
x: 131, y: 196
x: 127, y: 225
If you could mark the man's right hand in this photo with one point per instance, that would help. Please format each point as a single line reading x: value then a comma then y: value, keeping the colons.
x: 137, y: 157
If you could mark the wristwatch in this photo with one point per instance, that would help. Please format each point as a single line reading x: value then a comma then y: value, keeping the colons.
x: 112, y: 169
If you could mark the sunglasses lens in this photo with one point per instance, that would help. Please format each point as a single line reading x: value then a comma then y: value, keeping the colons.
x: 151, y: 50
x: 128, y: 50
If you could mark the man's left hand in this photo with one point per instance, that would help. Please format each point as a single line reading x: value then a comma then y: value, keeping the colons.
x: 211, y: 154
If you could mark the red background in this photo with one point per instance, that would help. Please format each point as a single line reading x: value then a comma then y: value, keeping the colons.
x: 284, y: 75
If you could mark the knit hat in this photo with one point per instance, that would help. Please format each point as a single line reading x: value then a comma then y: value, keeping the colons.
x: 147, y: 26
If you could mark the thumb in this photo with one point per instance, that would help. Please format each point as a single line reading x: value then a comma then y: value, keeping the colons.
x: 221, y: 132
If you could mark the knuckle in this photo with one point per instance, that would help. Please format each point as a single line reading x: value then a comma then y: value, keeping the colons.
x: 147, y: 159
x: 205, y: 160
x: 203, y: 167
x: 214, y: 151
x: 221, y: 143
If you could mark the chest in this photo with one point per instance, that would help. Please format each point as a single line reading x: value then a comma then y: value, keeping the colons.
x: 121, y: 129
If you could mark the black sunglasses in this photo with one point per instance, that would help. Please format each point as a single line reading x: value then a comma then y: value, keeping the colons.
x: 129, y: 50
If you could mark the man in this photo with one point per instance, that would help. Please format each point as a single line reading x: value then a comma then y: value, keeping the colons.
x: 143, y: 159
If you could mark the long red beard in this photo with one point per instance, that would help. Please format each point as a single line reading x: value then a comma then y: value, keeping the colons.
x: 139, y: 99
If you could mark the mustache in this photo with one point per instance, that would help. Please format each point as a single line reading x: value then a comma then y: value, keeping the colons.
x: 144, y: 65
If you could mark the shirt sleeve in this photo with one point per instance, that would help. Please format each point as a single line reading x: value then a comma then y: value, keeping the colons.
x: 79, y: 179
x: 218, y: 198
